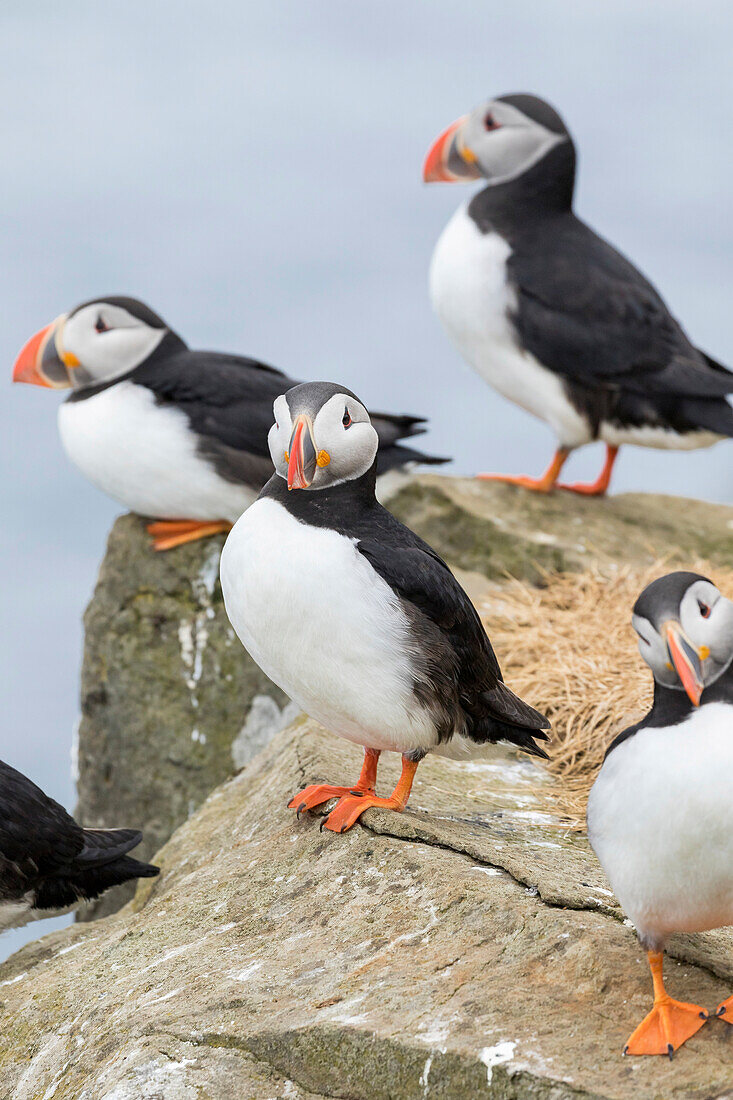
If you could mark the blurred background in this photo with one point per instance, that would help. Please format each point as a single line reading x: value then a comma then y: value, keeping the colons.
x: 253, y: 172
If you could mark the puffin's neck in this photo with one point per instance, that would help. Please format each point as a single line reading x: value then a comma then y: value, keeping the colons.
x: 339, y: 507
x: 544, y: 190
x: 670, y: 706
x: 721, y: 690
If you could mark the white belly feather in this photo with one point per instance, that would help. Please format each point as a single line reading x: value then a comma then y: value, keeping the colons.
x: 324, y: 626
x: 144, y: 455
x: 470, y: 294
x: 660, y: 818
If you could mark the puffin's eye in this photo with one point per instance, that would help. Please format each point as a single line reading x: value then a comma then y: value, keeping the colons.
x: 490, y: 122
x: 346, y: 419
x: 704, y: 609
x: 100, y: 325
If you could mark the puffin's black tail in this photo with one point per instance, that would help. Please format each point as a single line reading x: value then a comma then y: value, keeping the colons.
x: 712, y: 414
x: 509, y: 718
x: 524, y: 740
x: 390, y: 428
x: 394, y: 456
x: 103, y: 862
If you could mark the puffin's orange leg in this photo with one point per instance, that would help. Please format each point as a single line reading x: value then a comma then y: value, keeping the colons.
x: 725, y: 1011
x: 349, y: 809
x: 599, y: 487
x: 175, y: 532
x: 669, y: 1024
x: 544, y: 484
x: 317, y: 794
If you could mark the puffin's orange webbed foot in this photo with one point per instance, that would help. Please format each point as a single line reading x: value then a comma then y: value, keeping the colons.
x: 167, y: 534
x: 725, y: 1011
x: 544, y: 484
x: 669, y: 1024
x: 599, y: 487
x: 316, y: 795
x: 537, y: 484
x: 349, y: 809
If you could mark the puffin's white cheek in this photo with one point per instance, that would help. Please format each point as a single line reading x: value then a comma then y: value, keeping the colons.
x: 277, y: 450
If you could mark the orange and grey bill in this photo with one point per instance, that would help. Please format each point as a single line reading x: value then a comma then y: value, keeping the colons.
x: 302, y: 456
x: 296, y: 474
x: 448, y: 160
x: 686, y: 660
x: 43, y: 361
x: 27, y: 365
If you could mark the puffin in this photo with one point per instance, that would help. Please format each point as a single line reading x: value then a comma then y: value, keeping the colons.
x: 49, y: 863
x: 355, y: 617
x: 176, y: 435
x: 660, y: 813
x: 548, y: 312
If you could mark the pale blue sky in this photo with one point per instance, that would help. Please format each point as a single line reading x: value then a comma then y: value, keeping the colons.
x: 253, y: 172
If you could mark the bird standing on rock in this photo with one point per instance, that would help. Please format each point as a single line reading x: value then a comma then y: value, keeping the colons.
x: 355, y: 617
x: 171, y: 433
x: 660, y: 814
x: 47, y: 861
x: 548, y: 313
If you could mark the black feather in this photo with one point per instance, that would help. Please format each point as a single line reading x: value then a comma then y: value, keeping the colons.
x: 44, y: 853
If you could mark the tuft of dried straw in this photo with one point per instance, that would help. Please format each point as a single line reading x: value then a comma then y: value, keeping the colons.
x: 569, y: 649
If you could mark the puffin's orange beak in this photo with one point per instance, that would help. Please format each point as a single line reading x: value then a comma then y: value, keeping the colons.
x: 687, y: 661
x: 26, y: 365
x: 302, y: 458
x: 40, y: 363
x: 449, y: 159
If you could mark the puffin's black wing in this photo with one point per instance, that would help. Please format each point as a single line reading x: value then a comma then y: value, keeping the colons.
x: 588, y: 314
x: 35, y: 831
x: 459, y: 655
x: 228, y: 400
x: 45, y: 852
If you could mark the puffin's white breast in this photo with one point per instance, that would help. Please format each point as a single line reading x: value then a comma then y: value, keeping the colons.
x: 471, y: 296
x: 660, y: 818
x: 144, y: 455
x: 324, y: 626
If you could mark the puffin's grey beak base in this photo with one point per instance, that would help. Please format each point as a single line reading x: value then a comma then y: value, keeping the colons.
x: 302, y: 455
x: 687, y: 660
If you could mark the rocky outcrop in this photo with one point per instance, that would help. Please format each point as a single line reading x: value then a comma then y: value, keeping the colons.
x: 171, y: 703
x: 468, y: 948
x: 497, y: 529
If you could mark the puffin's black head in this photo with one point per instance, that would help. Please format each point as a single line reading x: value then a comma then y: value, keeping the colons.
x: 499, y: 140
x: 322, y: 435
x: 685, y: 629
x: 97, y: 342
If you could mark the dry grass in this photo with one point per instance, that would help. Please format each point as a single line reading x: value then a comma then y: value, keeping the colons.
x: 569, y: 650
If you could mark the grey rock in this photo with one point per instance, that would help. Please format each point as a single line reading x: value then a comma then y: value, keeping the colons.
x: 466, y: 949
x: 166, y: 691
